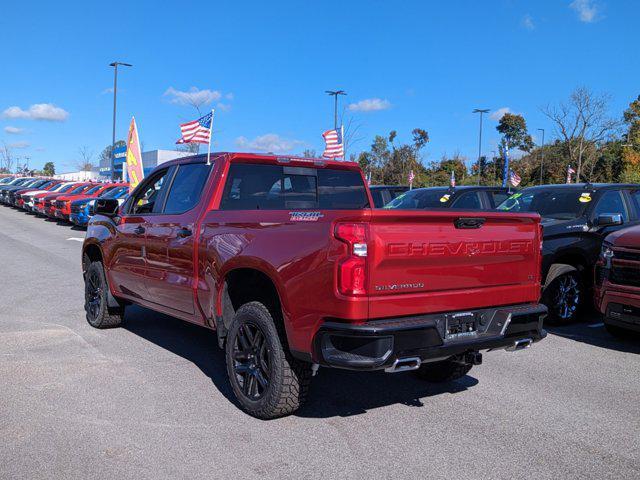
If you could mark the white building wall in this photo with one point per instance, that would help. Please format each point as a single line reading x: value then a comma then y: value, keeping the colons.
x: 78, y: 176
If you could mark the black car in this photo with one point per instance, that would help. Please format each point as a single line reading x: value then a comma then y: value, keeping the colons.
x: 17, y: 184
x: 465, y: 197
x: 383, y: 194
x: 575, y: 218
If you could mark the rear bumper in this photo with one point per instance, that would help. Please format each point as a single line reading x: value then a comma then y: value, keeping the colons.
x: 378, y: 344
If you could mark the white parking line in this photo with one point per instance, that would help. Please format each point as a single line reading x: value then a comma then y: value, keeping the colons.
x: 596, y: 325
x: 76, y: 239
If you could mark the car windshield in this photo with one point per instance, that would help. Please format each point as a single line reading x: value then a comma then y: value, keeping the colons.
x: 420, y: 199
x: 558, y: 203
x: 93, y: 190
x: 115, y: 193
x: 78, y: 189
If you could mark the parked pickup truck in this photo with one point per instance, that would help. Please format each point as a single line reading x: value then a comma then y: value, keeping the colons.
x: 287, y: 260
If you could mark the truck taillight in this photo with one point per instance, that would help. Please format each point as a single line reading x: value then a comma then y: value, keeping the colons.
x: 352, y: 271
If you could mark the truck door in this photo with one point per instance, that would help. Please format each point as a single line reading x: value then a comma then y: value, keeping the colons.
x: 128, y: 265
x: 170, y: 239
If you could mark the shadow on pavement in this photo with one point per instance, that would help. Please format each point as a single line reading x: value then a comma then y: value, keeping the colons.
x: 593, y: 332
x: 333, y: 392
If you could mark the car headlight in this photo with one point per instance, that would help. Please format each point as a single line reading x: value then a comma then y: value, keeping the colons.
x: 606, y: 254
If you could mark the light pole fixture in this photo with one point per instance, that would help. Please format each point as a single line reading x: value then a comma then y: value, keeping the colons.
x: 113, y: 133
x: 334, y: 94
x: 541, y: 155
x: 481, y: 111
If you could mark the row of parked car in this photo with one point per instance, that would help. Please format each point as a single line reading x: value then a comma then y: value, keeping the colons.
x: 67, y: 201
x: 591, y: 240
x: 582, y: 231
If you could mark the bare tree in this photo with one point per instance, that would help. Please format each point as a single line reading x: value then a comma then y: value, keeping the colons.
x: 85, y: 163
x: 582, y: 123
x: 188, y: 147
x: 7, y: 159
x: 351, y: 131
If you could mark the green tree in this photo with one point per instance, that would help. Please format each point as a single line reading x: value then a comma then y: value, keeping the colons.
x: 49, y: 169
x: 513, y: 128
x: 631, y: 151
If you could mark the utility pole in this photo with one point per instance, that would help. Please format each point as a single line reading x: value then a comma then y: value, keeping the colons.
x: 541, y: 155
x: 334, y: 94
x: 113, y: 133
x: 481, y: 111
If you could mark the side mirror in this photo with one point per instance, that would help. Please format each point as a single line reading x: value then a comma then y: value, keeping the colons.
x: 608, y: 219
x: 108, y: 207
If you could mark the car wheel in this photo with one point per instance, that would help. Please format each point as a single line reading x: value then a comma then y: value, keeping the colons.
x: 267, y: 381
x: 445, y: 371
x: 96, y: 289
x: 563, y: 297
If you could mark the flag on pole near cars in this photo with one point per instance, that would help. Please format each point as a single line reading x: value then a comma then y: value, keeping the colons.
x: 135, y: 170
x: 570, y: 171
x: 452, y: 182
x: 197, y: 131
x: 505, y: 154
x: 334, y: 143
x: 514, y: 179
x: 412, y: 177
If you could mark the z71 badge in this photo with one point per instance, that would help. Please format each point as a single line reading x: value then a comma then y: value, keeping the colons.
x: 305, y: 216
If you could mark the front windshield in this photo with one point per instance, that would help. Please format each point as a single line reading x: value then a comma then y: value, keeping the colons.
x: 420, y: 199
x: 558, y: 203
x: 78, y: 189
x: 115, y: 192
x: 93, y: 190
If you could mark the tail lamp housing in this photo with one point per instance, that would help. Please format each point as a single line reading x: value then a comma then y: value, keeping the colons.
x: 352, y: 270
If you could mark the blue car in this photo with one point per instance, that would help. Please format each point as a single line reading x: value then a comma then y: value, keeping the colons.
x: 81, y: 209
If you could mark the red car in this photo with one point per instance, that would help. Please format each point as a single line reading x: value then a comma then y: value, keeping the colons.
x: 62, y: 204
x: 38, y: 198
x: 48, y: 201
x: 24, y: 198
x: 289, y: 262
x: 617, y: 292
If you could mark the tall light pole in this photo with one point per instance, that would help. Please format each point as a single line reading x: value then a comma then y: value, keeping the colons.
x: 481, y: 111
x: 541, y: 155
x: 334, y: 94
x: 113, y: 133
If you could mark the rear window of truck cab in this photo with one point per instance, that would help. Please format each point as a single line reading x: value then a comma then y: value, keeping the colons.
x: 275, y: 187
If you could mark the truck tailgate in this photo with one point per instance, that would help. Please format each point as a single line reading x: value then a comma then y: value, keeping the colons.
x: 431, y: 261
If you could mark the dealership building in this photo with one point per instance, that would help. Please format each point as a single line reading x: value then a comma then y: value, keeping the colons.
x: 150, y: 160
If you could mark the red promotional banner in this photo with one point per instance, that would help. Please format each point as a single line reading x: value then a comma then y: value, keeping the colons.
x: 134, y: 157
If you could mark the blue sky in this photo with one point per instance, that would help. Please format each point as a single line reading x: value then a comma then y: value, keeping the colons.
x: 404, y: 64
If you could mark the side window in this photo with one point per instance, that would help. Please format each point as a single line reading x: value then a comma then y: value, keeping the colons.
x: 186, y: 187
x: 498, y: 197
x: 378, y: 198
x: 635, y: 195
x: 253, y: 187
x: 468, y: 201
x: 146, y: 197
x: 341, y: 190
x: 611, y: 202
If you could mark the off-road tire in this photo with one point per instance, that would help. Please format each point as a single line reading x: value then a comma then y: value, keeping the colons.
x: 98, y: 312
x: 444, y: 371
x: 288, y: 378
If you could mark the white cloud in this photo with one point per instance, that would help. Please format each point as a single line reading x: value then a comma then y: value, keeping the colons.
x: 19, y: 145
x: 14, y: 130
x: 269, y: 142
x: 370, y: 105
x: 223, y: 107
x: 193, y: 96
x: 527, y: 22
x: 498, y: 114
x: 587, y: 10
x: 38, y: 111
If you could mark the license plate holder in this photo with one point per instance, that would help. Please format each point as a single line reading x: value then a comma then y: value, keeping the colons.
x: 461, y: 325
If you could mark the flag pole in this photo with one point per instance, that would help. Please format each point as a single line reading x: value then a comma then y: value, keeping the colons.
x: 344, y: 144
x: 210, y: 135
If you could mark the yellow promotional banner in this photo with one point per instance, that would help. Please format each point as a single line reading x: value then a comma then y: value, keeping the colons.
x: 134, y: 157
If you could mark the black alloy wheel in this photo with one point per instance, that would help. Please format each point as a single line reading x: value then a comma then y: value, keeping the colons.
x: 564, y: 297
x: 251, y: 361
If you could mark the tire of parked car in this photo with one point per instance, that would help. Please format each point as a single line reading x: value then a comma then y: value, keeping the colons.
x: 444, y: 371
x: 563, y: 294
x: 96, y: 302
x: 266, y: 380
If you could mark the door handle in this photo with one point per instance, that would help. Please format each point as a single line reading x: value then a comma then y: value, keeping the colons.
x: 139, y: 230
x: 183, y: 233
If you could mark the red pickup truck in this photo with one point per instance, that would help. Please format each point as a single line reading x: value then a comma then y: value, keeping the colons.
x: 287, y: 260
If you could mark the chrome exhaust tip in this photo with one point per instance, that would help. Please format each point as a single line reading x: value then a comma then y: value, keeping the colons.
x: 520, y: 345
x: 404, y: 365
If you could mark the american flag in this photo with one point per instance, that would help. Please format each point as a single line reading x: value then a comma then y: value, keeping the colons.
x: 514, y: 178
x: 197, y: 131
x: 334, y: 144
x: 453, y: 179
x: 570, y: 171
x: 412, y: 177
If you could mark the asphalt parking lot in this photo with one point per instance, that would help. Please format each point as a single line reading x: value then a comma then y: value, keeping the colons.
x: 151, y: 400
